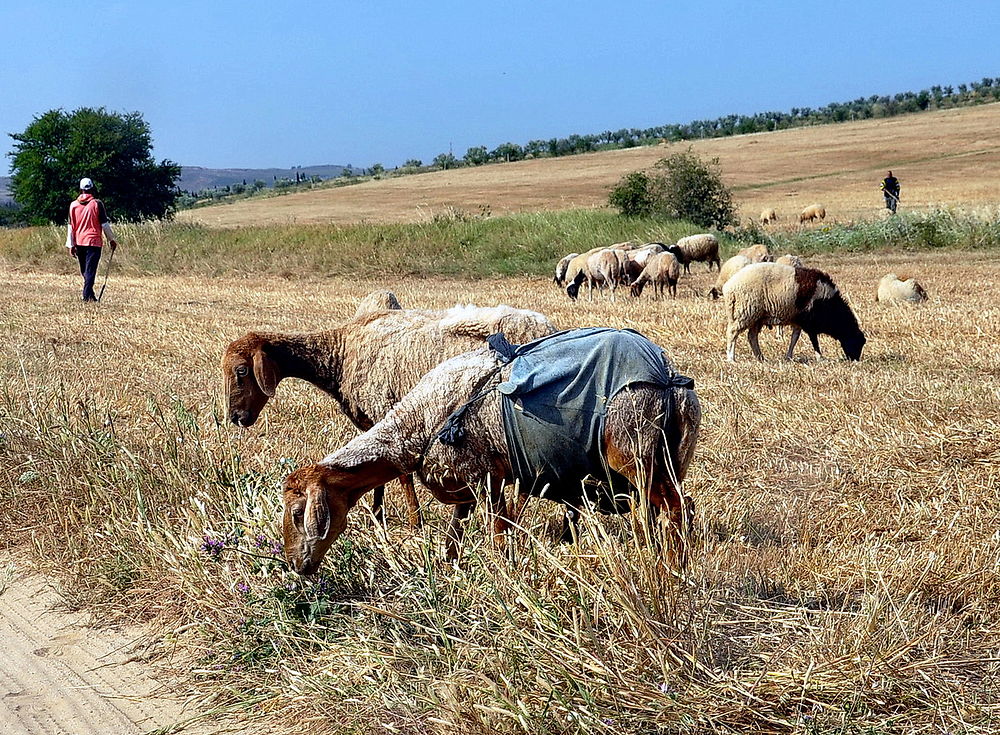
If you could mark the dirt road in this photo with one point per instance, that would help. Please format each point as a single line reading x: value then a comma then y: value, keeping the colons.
x: 57, y: 675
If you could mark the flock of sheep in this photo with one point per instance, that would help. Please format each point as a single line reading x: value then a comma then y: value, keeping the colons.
x: 402, y: 376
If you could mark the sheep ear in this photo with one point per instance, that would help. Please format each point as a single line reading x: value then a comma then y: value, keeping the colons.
x: 317, y: 517
x: 265, y: 370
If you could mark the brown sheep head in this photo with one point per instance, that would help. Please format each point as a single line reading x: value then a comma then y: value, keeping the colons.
x: 317, y: 500
x: 251, y: 377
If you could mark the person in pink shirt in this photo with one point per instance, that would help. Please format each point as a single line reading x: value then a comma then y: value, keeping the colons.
x: 88, y: 224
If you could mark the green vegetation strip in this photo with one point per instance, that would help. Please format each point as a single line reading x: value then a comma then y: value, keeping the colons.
x: 465, y: 245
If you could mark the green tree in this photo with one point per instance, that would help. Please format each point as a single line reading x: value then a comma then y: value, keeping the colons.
x: 477, y: 155
x: 445, y: 160
x: 57, y: 149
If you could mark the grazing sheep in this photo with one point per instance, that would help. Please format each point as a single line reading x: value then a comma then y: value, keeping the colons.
x: 893, y: 290
x: 636, y: 260
x: 599, y: 266
x: 366, y: 364
x: 377, y: 301
x: 805, y: 298
x: 793, y: 260
x: 768, y: 216
x: 757, y: 254
x: 812, y: 212
x: 703, y: 248
x: 561, y: 267
x: 727, y: 271
x: 648, y: 437
x: 663, y: 269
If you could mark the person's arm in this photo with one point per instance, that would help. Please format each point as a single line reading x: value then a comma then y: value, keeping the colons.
x: 102, y: 215
x: 70, y: 236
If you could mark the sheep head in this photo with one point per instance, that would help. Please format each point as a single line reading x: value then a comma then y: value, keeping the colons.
x: 251, y: 377
x: 317, y: 499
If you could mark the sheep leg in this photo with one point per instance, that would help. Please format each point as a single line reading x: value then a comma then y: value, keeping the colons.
x: 796, y: 331
x: 814, y: 338
x: 571, y: 525
x: 412, y: 503
x: 456, y: 530
x: 378, y: 509
x: 753, y: 337
x: 733, y: 331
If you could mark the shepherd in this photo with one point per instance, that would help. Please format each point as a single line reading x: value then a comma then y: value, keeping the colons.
x: 890, y: 190
x: 88, y: 224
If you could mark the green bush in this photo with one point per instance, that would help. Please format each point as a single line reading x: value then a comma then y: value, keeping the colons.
x: 683, y: 187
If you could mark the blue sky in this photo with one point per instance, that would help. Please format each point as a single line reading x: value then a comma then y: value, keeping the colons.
x: 255, y: 84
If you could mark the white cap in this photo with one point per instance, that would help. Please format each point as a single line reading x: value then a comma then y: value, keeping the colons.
x: 86, y: 184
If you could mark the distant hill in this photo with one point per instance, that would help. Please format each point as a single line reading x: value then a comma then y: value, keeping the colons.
x: 196, y: 178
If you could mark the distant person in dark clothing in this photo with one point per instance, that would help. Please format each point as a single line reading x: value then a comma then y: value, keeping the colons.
x: 890, y: 190
x: 88, y: 223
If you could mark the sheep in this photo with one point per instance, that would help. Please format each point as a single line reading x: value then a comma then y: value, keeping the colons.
x: 636, y: 260
x: 595, y: 266
x: 378, y: 301
x: 812, y: 212
x: 757, y: 254
x: 788, y: 259
x: 561, y: 267
x: 652, y: 454
x: 805, y: 298
x: 727, y: 271
x: 366, y: 364
x: 663, y: 269
x: 704, y: 248
x: 768, y: 216
x: 893, y: 290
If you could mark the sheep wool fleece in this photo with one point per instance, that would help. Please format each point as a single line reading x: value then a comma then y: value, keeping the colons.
x: 554, y: 407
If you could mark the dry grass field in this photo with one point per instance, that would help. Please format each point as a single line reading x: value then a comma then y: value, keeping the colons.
x: 947, y: 157
x: 846, y: 576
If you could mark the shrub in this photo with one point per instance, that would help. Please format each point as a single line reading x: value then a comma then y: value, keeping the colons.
x: 632, y: 196
x: 682, y: 186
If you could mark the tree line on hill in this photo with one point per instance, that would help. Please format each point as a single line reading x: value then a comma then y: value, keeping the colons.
x: 115, y: 150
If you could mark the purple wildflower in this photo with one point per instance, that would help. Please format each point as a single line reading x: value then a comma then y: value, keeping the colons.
x: 243, y: 588
x: 212, y: 547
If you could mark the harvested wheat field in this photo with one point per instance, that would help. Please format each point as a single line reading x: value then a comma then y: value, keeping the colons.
x: 946, y: 157
x: 845, y: 575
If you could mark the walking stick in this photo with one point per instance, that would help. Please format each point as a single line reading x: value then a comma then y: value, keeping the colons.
x: 106, y: 274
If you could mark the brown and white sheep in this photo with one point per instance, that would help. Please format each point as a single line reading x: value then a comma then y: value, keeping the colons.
x: 653, y: 455
x: 788, y: 259
x: 599, y: 267
x: 366, y: 364
x: 893, y: 290
x: 662, y: 270
x: 703, y: 248
x: 805, y: 298
x: 636, y: 260
x: 729, y: 268
x: 811, y: 213
x: 768, y: 216
x: 757, y: 253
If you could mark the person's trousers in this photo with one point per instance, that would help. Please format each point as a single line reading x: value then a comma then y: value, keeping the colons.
x: 89, y: 256
x: 891, y: 201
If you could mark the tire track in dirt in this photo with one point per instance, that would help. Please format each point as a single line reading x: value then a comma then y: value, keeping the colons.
x: 60, y: 676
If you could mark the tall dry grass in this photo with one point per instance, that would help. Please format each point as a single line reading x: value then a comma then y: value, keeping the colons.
x: 845, y: 577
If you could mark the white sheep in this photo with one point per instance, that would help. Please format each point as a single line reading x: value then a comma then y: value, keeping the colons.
x: 812, y: 212
x: 728, y: 269
x: 703, y: 248
x: 757, y: 253
x: 788, y: 259
x: 652, y: 455
x: 893, y: 290
x: 805, y: 298
x: 662, y: 270
x: 768, y: 216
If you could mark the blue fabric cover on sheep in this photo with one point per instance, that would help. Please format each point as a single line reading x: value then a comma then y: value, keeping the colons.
x: 555, y: 403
